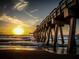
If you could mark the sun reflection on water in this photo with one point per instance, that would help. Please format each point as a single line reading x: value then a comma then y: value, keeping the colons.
x: 17, y: 48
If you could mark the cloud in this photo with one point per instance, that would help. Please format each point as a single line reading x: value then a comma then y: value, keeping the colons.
x: 29, y: 14
x: 33, y: 11
x: 13, y: 20
x: 20, y: 5
x: 34, y: 21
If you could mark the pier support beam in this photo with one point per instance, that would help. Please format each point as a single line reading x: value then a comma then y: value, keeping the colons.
x: 41, y: 37
x: 72, y: 42
x: 45, y: 36
x: 48, y: 39
x: 61, y: 33
x: 56, y: 34
x: 51, y: 36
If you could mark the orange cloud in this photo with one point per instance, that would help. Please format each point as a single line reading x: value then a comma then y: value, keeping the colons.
x: 13, y: 20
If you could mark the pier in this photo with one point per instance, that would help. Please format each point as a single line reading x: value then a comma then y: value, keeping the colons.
x: 66, y: 13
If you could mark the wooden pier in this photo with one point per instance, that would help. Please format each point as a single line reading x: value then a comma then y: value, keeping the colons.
x: 65, y: 13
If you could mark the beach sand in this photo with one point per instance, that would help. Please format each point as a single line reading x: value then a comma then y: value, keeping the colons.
x: 33, y: 54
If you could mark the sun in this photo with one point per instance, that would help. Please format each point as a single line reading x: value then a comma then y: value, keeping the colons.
x: 18, y: 31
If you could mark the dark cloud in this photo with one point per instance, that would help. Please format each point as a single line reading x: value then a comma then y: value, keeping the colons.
x: 42, y: 5
x: 4, y: 5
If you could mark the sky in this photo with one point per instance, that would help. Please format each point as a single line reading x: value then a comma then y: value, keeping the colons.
x: 24, y: 13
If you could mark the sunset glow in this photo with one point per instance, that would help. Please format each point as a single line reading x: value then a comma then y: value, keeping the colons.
x: 18, y: 31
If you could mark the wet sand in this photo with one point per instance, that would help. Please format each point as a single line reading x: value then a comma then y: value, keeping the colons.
x: 13, y: 50
x: 32, y: 54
